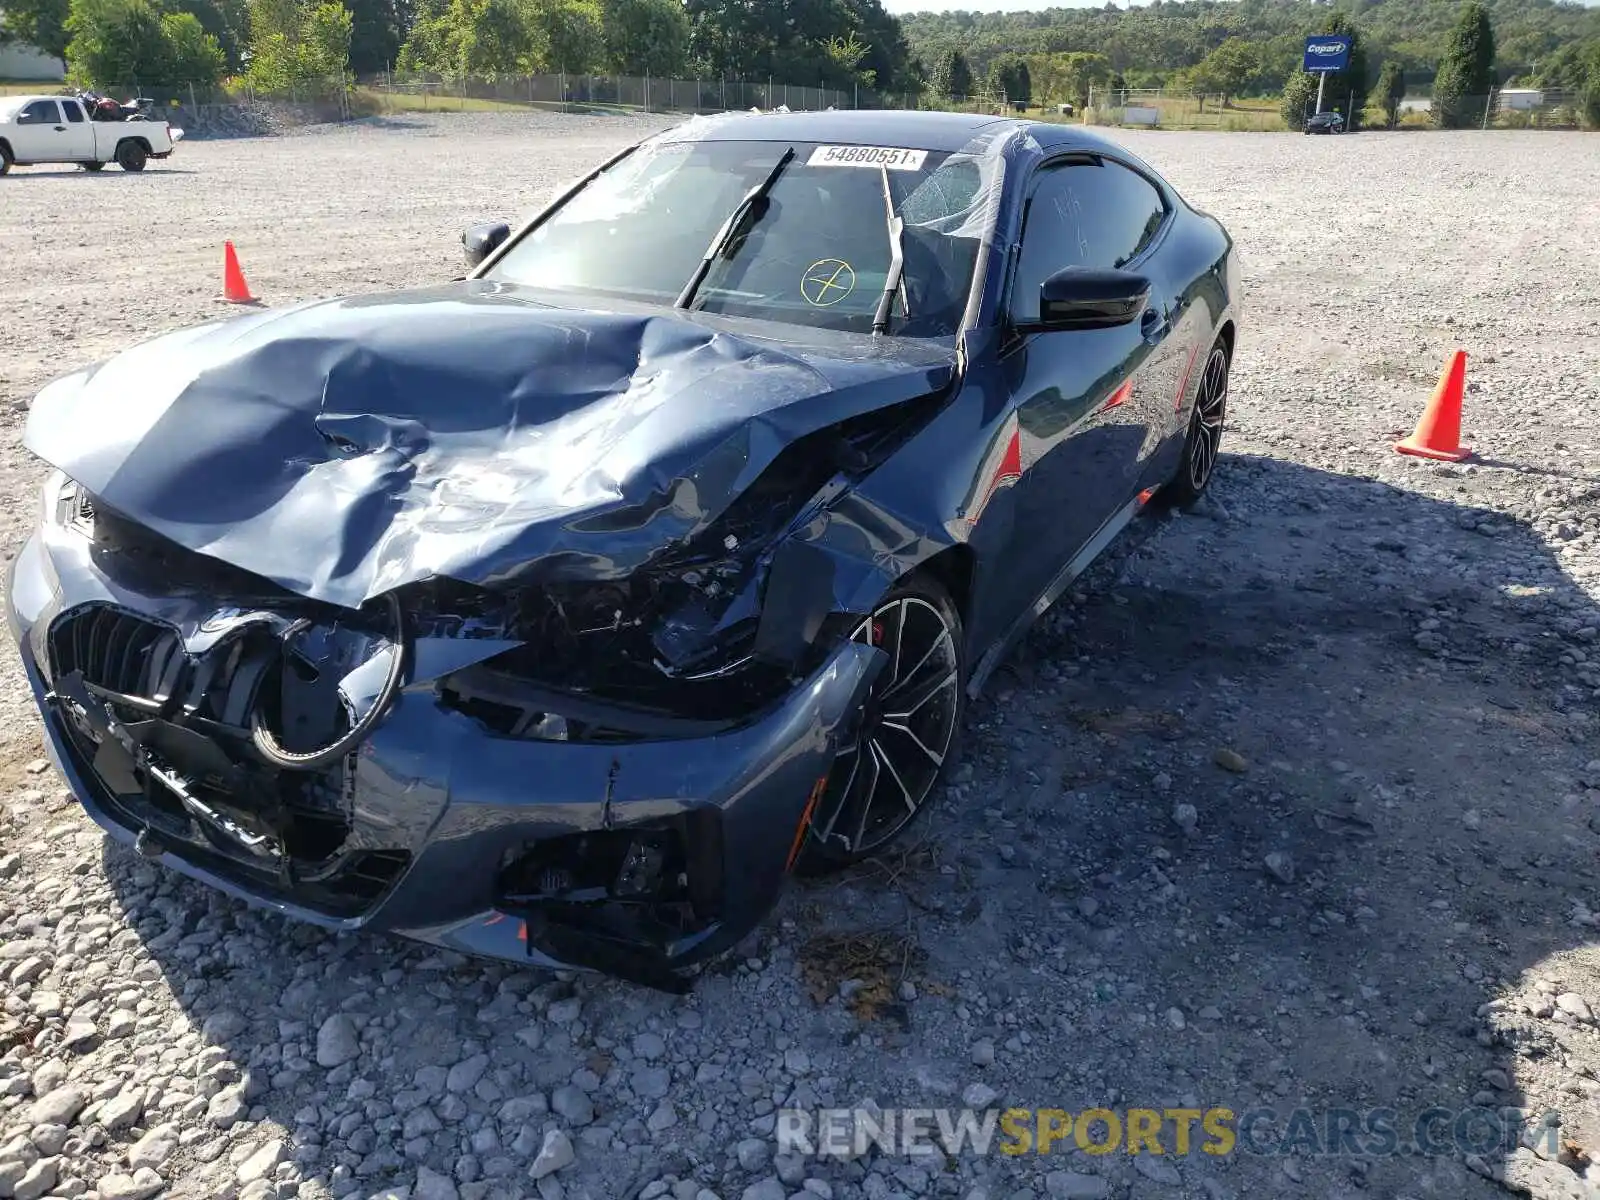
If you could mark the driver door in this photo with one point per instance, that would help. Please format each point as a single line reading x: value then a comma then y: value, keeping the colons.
x: 1086, y: 400
x: 37, y: 128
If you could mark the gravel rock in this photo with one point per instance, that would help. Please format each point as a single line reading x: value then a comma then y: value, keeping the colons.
x: 37, y: 1180
x: 1280, y: 865
x: 122, y: 1110
x: 48, y: 1139
x: 1574, y: 1005
x: 57, y: 1107
x: 141, y: 1185
x: 337, y: 1041
x: 262, y: 1162
x: 227, y: 1108
x: 154, y: 1148
x: 564, y: 1012
x: 431, y: 1185
x: 464, y: 1076
x: 753, y: 1154
x: 1157, y: 1169
x: 1071, y: 1185
x: 79, y: 1034
x: 556, y: 1152
x: 223, y: 1026
x: 979, y: 1096
x: 572, y: 1103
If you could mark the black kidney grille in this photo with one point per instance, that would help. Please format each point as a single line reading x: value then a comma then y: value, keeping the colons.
x: 115, y: 650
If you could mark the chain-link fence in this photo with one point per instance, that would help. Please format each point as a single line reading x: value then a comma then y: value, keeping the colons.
x: 1508, y: 108
x: 561, y: 91
x: 214, y: 110
x: 237, y: 109
x: 1171, y: 109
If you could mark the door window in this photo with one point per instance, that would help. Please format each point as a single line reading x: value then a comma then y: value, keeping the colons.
x: 1082, y: 214
x: 40, y: 112
x: 1126, y: 212
x: 73, y: 110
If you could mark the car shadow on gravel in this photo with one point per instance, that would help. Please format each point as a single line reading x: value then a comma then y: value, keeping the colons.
x: 1264, y: 816
x: 1286, y: 809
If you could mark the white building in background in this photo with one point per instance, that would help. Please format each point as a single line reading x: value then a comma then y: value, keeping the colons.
x: 1520, y: 98
x: 24, y: 64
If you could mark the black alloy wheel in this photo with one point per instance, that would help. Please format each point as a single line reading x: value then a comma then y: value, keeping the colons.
x: 907, y: 733
x: 1203, y: 443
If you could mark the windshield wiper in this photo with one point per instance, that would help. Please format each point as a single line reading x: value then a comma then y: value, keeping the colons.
x: 731, y: 226
x: 895, y: 280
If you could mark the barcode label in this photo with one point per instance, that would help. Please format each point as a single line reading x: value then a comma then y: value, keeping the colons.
x: 895, y: 158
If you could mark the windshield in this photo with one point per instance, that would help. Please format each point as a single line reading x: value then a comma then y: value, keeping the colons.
x: 816, y: 253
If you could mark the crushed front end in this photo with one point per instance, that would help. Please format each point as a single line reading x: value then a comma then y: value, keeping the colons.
x: 605, y: 774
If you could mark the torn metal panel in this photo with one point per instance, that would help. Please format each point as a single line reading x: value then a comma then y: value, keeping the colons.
x: 346, y: 448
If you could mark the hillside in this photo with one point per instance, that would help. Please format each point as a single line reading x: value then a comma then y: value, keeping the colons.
x: 1148, y: 45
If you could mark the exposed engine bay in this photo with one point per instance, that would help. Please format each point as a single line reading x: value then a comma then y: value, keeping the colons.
x: 238, y: 722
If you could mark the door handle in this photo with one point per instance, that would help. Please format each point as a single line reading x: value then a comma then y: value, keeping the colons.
x: 1153, y: 325
x: 61, y: 128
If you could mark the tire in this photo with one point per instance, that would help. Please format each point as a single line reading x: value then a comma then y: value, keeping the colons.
x: 5, y: 159
x: 905, y: 755
x: 1202, y: 443
x: 92, y: 167
x: 131, y: 156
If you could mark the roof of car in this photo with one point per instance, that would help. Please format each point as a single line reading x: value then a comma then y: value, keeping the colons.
x: 938, y: 131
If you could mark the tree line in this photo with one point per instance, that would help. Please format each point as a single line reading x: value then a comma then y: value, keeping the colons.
x: 1225, y: 48
x: 274, y: 43
x: 1234, y: 48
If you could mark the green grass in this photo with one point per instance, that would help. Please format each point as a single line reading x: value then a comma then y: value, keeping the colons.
x: 1178, y: 112
x: 43, y: 87
x: 1186, y: 112
x: 367, y: 102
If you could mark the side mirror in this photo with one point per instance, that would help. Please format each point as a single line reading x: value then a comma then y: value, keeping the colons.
x: 1090, y: 298
x: 480, y: 241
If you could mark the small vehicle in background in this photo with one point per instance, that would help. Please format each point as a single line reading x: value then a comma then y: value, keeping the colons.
x: 1325, y: 122
x: 61, y: 129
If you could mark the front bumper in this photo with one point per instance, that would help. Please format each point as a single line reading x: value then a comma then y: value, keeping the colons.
x: 436, y: 803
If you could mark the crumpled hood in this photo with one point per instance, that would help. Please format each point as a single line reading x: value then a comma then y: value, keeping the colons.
x: 344, y: 448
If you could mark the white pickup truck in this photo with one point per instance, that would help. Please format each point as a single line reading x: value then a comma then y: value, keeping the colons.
x: 57, y: 129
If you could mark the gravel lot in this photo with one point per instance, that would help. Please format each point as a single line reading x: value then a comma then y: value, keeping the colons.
x: 1295, y: 804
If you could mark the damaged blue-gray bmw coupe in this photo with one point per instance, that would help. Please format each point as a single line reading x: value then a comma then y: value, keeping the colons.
x: 560, y: 612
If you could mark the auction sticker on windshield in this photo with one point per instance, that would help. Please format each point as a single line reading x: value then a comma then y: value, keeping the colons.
x: 893, y: 157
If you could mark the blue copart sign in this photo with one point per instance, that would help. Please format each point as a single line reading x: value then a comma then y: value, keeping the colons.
x: 1327, y: 52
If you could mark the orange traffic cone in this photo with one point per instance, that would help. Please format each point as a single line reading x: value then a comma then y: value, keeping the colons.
x: 234, y: 289
x: 1438, y: 434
